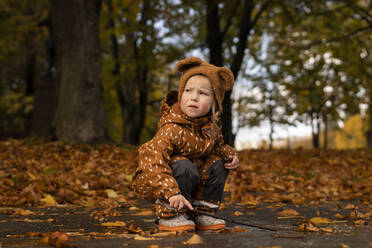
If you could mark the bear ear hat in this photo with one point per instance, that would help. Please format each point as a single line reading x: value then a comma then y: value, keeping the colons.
x: 186, y: 64
x: 226, y: 78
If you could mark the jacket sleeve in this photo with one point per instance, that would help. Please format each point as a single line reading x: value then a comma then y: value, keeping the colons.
x: 153, y: 177
x: 222, y: 150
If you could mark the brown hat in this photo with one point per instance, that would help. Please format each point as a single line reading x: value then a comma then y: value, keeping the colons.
x: 221, y: 78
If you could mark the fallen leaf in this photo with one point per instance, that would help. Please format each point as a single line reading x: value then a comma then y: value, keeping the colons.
x: 339, y: 216
x: 288, y: 212
x: 29, y: 234
x: 149, y: 220
x: 163, y: 234
x: 350, y: 206
x: 344, y: 246
x: 111, y: 193
x: 238, y: 213
x: 134, y: 227
x: 319, y: 220
x: 144, y: 213
x: 307, y: 227
x: 152, y: 246
x: 134, y: 208
x: 194, y: 240
x: 326, y: 229
x: 57, y: 239
x: 139, y: 237
x: 49, y: 200
x: 359, y: 222
x: 114, y: 224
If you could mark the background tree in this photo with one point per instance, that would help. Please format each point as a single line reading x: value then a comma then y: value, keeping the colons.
x: 21, y: 62
x: 306, y: 48
x: 80, y: 112
x: 222, y: 36
x: 144, y: 38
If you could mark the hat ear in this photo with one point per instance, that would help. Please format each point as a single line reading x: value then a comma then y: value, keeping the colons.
x: 187, y: 63
x: 226, y: 78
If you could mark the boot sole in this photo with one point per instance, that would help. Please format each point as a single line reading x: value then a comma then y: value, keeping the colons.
x: 176, y: 228
x: 211, y: 227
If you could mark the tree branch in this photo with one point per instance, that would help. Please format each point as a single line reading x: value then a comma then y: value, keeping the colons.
x: 229, y: 20
x: 259, y: 13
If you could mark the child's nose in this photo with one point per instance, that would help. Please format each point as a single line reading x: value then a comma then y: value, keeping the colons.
x: 195, y: 96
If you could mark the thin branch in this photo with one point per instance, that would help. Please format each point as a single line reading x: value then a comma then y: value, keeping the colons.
x: 337, y: 39
x: 259, y: 13
x: 228, y: 24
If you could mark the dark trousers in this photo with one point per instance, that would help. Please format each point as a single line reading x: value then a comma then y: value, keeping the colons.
x: 190, y: 181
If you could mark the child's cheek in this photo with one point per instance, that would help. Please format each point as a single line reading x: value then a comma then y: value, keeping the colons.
x: 205, y: 106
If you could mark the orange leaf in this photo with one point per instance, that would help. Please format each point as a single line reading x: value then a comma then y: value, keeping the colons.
x: 238, y: 213
x: 144, y: 213
x: 194, y: 240
x: 288, y: 212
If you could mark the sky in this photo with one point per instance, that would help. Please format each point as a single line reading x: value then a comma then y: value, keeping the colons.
x: 252, y: 137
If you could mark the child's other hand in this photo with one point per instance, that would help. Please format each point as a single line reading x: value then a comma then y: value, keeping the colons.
x: 179, y: 201
x: 233, y: 163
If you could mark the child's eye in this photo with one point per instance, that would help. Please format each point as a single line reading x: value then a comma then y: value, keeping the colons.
x: 187, y: 90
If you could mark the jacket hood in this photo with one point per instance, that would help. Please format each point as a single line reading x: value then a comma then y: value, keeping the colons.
x: 170, y: 112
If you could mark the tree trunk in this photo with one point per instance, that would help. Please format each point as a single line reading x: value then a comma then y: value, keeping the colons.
x: 325, y: 132
x: 215, y: 39
x: 315, y: 126
x: 369, y: 131
x: 80, y: 111
x: 46, y: 94
x: 271, y: 136
x: 30, y: 86
x: 132, y: 90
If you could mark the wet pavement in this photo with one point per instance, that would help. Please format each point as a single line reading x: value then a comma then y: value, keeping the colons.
x: 23, y: 227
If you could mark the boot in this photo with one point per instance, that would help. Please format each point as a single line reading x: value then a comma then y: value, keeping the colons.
x: 205, y: 222
x: 176, y: 223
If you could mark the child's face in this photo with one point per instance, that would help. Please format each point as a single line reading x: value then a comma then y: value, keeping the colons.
x: 197, y: 97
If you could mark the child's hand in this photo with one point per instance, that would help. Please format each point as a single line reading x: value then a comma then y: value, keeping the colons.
x: 233, y: 164
x: 178, y: 201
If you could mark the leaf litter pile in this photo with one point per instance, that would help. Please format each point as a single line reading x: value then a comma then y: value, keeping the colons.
x: 48, y: 174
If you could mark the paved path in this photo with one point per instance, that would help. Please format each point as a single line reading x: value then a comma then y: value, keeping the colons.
x: 85, y: 230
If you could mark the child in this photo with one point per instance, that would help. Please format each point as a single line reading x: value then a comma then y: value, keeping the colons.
x: 186, y: 164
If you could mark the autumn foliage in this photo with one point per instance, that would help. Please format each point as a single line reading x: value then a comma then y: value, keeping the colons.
x: 54, y: 173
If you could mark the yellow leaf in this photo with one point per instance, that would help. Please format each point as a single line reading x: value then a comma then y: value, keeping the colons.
x: 238, y: 213
x: 359, y: 222
x: 115, y: 223
x: 111, y: 193
x: 339, y: 216
x: 144, y: 213
x: 133, y: 209
x: 326, y: 229
x: 24, y: 212
x: 288, y: 212
x: 320, y: 220
x: 194, y: 240
x: 152, y: 246
x: 163, y: 234
x: 350, y: 206
x: 139, y: 237
x: 49, y: 200
x: 32, y: 176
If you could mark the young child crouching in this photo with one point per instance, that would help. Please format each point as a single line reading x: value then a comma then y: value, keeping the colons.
x: 186, y: 164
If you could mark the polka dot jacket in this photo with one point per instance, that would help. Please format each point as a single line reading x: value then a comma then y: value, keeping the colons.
x: 178, y: 137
